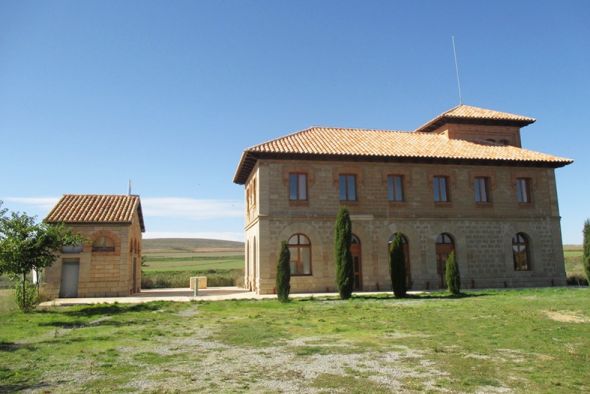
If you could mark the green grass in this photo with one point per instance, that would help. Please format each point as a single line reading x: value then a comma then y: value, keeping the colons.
x: 7, y: 303
x: 487, y: 341
x: 171, y: 262
x: 167, y: 279
x: 573, y: 264
x: 195, y: 262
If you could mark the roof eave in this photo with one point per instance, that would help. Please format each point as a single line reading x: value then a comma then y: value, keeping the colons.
x: 245, y: 167
x: 242, y: 176
x: 441, y: 120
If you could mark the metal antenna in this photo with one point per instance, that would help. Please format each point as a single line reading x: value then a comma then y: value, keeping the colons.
x: 457, y: 71
x: 130, y: 186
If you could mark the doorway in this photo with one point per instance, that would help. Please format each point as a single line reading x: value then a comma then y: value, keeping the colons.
x: 70, y: 271
x: 444, y: 246
x: 357, y: 267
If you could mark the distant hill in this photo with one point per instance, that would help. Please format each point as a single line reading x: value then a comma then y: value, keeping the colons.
x: 156, y: 245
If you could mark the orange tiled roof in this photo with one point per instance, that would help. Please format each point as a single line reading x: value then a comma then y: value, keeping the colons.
x: 322, y: 142
x: 96, y: 208
x: 464, y: 112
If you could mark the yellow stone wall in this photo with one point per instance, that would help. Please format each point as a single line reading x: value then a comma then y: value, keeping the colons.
x: 482, y: 232
x: 102, y: 273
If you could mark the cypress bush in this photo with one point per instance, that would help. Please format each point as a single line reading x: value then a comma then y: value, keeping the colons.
x: 27, y: 296
x: 284, y: 273
x: 397, y: 267
x: 452, y: 276
x: 586, y: 254
x: 342, y: 240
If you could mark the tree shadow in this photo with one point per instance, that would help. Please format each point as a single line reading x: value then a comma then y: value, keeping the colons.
x: 18, y: 387
x: 13, y: 347
x: 383, y: 297
x: 111, y: 309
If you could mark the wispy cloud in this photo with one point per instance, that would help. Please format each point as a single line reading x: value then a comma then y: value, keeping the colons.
x: 161, y: 207
x: 190, y: 208
x: 228, y: 236
x: 39, y: 203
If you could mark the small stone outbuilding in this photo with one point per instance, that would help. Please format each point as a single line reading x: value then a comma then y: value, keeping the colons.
x: 109, y: 261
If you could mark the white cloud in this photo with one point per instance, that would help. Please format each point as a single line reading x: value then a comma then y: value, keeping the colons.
x: 228, y: 236
x: 191, y: 208
x: 39, y: 203
x: 163, y: 207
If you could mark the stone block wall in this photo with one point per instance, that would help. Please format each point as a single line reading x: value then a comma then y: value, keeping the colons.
x: 101, y: 273
x: 482, y: 232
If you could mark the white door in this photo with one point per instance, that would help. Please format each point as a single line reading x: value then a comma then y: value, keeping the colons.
x: 70, y: 270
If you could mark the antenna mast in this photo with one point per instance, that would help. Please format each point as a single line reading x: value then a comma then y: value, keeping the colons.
x: 457, y: 70
x: 130, y: 186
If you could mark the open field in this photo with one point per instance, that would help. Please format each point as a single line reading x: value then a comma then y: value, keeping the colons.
x: 171, y: 262
x: 490, y: 341
x: 195, y: 262
x: 7, y: 303
x: 573, y: 264
x: 179, y: 245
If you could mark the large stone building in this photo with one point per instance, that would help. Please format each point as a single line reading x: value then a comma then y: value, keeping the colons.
x: 109, y: 262
x: 460, y: 182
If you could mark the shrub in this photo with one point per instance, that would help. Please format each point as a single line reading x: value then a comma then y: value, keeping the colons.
x: 576, y: 280
x: 26, y: 295
x: 178, y: 279
x: 586, y: 254
x: 342, y: 240
x: 283, y: 273
x: 397, y: 267
x: 452, y: 276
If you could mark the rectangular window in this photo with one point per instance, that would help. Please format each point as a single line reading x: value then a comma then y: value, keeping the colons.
x: 481, y: 188
x: 523, y: 190
x: 347, y: 187
x: 395, y: 188
x: 441, y: 192
x: 297, y: 186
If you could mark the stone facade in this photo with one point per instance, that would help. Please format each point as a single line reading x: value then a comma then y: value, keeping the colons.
x: 102, y: 273
x: 482, y: 233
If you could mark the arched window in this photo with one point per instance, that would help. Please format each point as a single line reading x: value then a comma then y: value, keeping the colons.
x: 406, y: 248
x: 300, y: 249
x: 444, y: 246
x: 493, y: 141
x: 103, y: 244
x: 520, y: 252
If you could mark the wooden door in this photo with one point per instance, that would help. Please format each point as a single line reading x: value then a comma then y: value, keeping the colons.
x: 357, y: 266
x: 70, y: 270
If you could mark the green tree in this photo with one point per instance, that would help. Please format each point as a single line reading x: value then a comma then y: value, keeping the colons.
x: 397, y: 267
x: 26, y: 246
x: 586, y: 254
x: 342, y: 240
x: 284, y: 273
x: 452, y: 276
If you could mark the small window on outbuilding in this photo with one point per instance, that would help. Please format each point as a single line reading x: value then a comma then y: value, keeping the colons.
x: 103, y: 244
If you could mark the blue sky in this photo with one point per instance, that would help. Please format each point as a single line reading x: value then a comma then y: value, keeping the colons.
x: 169, y: 94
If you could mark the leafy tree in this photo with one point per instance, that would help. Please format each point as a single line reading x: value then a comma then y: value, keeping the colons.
x: 586, y: 254
x: 397, y: 267
x: 284, y: 273
x: 26, y: 246
x: 452, y: 276
x: 344, y: 269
